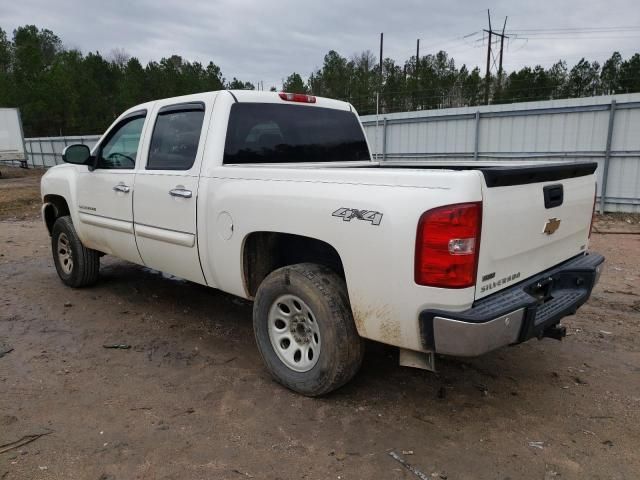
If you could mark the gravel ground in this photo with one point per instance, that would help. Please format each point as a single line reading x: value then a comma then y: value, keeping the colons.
x: 191, y: 400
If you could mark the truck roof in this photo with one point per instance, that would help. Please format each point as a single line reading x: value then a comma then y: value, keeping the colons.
x: 249, y: 96
x: 274, y: 97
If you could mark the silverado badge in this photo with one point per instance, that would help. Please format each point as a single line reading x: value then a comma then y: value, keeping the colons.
x: 551, y: 226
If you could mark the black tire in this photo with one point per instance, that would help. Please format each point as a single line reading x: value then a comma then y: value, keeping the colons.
x: 325, y: 293
x: 85, y: 261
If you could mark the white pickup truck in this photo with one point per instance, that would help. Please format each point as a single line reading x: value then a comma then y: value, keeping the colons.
x: 274, y: 197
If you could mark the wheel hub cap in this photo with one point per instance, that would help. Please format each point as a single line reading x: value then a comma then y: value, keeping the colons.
x: 294, y: 333
x: 301, y: 332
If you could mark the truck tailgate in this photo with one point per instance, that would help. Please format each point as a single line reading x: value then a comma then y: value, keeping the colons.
x: 533, y: 218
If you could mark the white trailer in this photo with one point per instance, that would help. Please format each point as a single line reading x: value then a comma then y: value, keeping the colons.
x: 11, y: 137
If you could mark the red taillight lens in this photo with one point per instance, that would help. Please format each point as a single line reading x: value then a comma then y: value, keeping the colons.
x: 297, y: 97
x: 593, y: 211
x: 447, y: 246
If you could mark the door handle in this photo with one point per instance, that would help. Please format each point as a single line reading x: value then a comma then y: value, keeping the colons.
x: 121, y: 187
x: 180, y: 192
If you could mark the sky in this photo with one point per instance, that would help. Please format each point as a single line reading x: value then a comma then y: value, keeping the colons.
x: 257, y: 40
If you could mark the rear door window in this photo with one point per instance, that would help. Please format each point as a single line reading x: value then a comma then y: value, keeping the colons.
x: 176, y: 136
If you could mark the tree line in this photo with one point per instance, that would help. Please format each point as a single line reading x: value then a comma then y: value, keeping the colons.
x: 434, y: 81
x: 62, y: 91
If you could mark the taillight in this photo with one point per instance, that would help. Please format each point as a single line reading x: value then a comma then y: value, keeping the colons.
x: 593, y: 210
x: 297, y: 97
x: 447, y: 246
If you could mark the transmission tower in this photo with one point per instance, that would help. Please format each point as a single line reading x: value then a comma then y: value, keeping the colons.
x: 492, y: 33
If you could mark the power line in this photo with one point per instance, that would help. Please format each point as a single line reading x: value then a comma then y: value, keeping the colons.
x: 580, y: 37
x: 459, y: 41
x: 455, y: 43
x: 573, y: 29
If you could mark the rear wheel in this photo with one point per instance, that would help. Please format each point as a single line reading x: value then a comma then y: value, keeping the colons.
x: 77, y: 266
x: 304, y: 329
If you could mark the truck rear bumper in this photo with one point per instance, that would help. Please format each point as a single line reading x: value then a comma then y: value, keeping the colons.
x: 515, y: 314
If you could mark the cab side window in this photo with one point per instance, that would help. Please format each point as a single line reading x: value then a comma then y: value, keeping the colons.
x: 121, y: 148
x: 175, y: 138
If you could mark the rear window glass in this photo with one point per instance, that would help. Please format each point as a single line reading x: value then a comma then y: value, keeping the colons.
x: 273, y: 133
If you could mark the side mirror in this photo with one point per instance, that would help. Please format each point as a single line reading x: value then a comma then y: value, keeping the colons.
x: 78, y: 154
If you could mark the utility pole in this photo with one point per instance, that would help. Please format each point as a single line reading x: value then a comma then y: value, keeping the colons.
x: 417, y: 54
x: 378, y: 97
x: 487, y: 75
x: 381, y: 39
x: 380, y: 77
x: 502, y: 36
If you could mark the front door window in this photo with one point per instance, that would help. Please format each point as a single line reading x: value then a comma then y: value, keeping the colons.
x: 121, y: 148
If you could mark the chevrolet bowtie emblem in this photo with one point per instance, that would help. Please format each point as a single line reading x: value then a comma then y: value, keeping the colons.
x: 551, y: 226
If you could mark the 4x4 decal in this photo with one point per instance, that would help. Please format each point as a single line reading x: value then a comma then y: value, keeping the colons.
x: 367, y: 215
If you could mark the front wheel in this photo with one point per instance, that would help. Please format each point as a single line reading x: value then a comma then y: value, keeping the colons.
x: 77, y: 266
x: 305, y: 330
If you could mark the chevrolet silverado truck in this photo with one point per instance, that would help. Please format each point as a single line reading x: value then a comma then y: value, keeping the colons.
x: 275, y: 198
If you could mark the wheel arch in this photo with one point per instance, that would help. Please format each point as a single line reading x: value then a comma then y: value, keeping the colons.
x: 265, y: 251
x: 54, y: 207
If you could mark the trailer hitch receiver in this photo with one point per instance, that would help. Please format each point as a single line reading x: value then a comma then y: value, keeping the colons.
x: 557, y: 332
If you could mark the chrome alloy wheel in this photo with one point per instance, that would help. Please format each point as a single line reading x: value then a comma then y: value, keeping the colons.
x: 65, y: 257
x: 294, y: 333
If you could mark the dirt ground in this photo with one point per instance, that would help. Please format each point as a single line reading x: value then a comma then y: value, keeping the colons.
x: 191, y: 399
x: 19, y: 193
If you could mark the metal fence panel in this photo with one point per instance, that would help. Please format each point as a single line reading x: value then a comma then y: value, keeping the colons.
x: 47, y: 151
x: 604, y: 129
